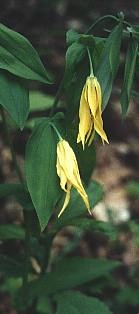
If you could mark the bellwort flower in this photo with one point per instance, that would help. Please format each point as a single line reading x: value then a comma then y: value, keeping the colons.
x: 90, y: 112
x: 68, y: 172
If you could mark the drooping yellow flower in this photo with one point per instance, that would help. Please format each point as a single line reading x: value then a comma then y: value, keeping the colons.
x: 90, y: 112
x: 68, y: 172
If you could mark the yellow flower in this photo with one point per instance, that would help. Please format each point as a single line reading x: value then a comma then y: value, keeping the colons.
x: 90, y: 112
x: 68, y: 172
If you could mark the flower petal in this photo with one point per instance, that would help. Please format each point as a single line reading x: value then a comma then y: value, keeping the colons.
x: 67, y: 198
x: 85, y: 118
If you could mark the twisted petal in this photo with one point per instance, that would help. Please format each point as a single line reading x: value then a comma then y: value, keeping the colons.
x: 92, y: 96
x: 85, y: 123
x: 67, y: 198
x: 98, y: 92
x: 98, y: 126
x: 62, y: 175
x: 95, y: 101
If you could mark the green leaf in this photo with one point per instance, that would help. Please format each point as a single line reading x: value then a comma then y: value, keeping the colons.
x: 77, y: 303
x: 10, y: 231
x: 129, y: 74
x: 70, y: 273
x: 40, y: 101
x: 72, y: 36
x: 14, y: 97
x: 18, y: 56
x: 74, y: 55
x: 42, y: 179
x: 109, y: 62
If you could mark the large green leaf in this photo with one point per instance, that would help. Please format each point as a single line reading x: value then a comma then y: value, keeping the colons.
x: 14, y: 97
x: 18, y: 56
x: 73, y: 302
x: 10, y: 231
x: 70, y: 273
x: 42, y: 179
x: 129, y: 74
x: 109, y: 61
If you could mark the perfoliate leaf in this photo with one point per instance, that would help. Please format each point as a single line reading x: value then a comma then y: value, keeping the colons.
x: 74, y: 55
x: 42, y: 179
x: 14, y: 97
x: 18, y: 56
x: 129, y: 74
x: 72, y: 36
x: 75, y: 302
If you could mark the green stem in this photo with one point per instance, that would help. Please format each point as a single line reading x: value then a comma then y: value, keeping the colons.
x: 6, y: 129
x: 56, y: 130
x: 100, y: 19
x: 90, y: 62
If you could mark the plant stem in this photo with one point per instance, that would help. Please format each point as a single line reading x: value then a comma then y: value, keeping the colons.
x: 56, y: 130
x: 100, y: 19
x: 90, y: 62
x: 6, y: 129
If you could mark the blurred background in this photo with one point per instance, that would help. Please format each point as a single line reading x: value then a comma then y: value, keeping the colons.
x: 44, y: 23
